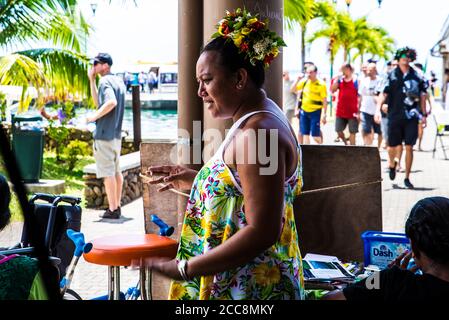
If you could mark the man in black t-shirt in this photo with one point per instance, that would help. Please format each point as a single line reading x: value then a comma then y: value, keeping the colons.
x: 428, y: 230
x: 406, y: 93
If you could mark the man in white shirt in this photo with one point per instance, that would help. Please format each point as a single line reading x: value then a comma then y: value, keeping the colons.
x: 368, y: 96
x: 289, y: 98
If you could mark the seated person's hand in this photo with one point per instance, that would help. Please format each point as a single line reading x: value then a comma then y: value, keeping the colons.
x: 402, y: 261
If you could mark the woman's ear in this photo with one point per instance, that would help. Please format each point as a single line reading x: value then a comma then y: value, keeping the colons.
x: 242, y: 78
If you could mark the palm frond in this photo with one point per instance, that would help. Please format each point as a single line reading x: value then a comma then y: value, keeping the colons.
x: 56, y: 21
x: 65, y: 71
x: 20, y: 70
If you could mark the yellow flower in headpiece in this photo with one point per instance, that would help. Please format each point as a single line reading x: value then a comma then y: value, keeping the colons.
x: 246, y: 31
x: 251, y: 21
x: 274, y: 51
x: 238, y: 40
x: 220, y: 30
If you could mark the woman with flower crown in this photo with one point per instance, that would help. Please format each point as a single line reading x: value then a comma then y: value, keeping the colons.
x: 239, y: 239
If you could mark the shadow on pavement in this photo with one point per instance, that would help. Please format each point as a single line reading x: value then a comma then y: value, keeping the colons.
x: 397, y: 187
x: 114, y: 221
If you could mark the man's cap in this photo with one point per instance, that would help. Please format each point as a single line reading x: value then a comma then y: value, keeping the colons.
x: 103, y: 58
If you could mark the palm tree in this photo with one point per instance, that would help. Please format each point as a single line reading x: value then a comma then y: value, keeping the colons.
x: 303, y: 12
x: 369, y: 39
x: 337, y: 28
x: 60, y: 67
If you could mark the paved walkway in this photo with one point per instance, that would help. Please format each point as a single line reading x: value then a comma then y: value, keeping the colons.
x: 430, y: 177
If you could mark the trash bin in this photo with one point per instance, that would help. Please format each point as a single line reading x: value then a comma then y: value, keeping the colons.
x: 28, y: 146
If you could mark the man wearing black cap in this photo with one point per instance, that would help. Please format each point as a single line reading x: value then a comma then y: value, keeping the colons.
x: 406, y: 93
x: 110, y: 101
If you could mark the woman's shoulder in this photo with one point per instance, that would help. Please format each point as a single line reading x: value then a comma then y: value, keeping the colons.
x: 269, y: 121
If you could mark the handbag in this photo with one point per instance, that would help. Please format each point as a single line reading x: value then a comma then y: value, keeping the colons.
x: 299, y: 103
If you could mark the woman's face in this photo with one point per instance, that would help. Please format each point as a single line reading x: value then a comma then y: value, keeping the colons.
x: 217, y: 87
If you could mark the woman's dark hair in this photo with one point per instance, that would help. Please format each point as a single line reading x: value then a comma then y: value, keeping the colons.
x: 5, y: 198
x: 428, y: 228
x: 232, y: 60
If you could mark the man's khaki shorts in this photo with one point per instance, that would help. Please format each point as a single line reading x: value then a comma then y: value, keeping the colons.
x: 107, y: 157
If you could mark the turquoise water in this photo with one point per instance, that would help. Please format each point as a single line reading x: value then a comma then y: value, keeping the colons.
x: 156, y: 124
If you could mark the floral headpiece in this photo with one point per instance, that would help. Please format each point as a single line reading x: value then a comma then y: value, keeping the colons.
x: 250, y: 35
x: 406, y: 52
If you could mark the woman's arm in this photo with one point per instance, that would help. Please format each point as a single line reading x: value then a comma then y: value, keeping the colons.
x: 264, y: 203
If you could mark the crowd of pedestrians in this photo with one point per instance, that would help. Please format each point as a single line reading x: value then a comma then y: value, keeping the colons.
x: 392, y: 106
x: 147, y: 81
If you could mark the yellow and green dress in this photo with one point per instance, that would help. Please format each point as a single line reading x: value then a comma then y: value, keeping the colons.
x: 215, y: 213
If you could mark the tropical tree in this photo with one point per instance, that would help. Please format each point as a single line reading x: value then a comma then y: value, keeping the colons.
x: 369, y: 39
x: 60, y: 67
x: 381, y: 44
x: 303, y: 12
x: 337, y: 28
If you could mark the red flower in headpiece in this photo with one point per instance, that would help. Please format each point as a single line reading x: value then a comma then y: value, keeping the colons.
x: 268, y: 59
x: 244, y: 47
x: 258, y: 25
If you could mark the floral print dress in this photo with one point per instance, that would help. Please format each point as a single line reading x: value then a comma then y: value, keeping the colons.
x: 214, y: 213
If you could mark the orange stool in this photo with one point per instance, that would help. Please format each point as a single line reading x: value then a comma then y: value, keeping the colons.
x: 119, y: 250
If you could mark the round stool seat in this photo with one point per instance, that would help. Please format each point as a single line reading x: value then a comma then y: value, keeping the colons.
x: 120, y: 250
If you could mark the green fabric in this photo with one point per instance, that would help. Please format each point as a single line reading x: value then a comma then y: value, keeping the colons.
x: 16, y: 278
x: 37, y: 291
x: 315, y: 294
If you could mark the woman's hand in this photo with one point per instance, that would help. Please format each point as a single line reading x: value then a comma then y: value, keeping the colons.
x: 168, y: 268
x: 174, y: 176
x: 402, y: 262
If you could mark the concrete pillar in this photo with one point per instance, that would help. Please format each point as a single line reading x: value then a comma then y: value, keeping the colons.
x: 273, y: 10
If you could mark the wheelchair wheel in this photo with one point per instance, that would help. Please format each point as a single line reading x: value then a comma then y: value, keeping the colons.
x: 71, y: 295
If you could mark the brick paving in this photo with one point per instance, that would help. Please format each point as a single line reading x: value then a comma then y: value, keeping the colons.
x: 430, y: 177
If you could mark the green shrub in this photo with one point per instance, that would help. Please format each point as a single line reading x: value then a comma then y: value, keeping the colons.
x: 59, y: 134
x: 74, y: 149
x: 2, y: 106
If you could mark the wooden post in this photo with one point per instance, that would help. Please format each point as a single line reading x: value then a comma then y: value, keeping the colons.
x: 136, y: 117
x: 273, y: 10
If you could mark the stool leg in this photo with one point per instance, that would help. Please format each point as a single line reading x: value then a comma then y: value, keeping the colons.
x: 146, y: 283
x: 116, y: 274
x: 110, y: 283
x: 143, y: 280
x: 113, y: 283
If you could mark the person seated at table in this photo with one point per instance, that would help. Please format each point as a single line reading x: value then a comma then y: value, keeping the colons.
x: 427, y: 227
x: 20, y: 278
